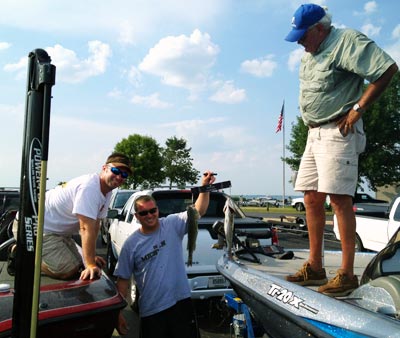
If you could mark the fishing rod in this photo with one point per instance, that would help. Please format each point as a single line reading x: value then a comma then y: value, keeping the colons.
x: 211, y: 187
x: 41, y: 78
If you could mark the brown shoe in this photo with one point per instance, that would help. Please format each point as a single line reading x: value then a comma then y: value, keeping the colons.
x: 340, y: 285
x: 307, y: 276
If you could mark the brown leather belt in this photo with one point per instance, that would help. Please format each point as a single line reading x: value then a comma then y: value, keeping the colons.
x: 316, y: 125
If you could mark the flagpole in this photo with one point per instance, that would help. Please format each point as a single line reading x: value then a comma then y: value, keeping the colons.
x: 283, y: 152
x: 281, y: 127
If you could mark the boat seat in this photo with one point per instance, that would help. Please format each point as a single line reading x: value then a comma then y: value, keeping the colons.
x: 392, y: 285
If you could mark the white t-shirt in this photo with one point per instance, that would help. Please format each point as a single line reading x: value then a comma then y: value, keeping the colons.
x: 81, y: 195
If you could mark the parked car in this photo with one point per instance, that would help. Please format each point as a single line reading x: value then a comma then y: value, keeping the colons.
x: 373, y: 232
x: 253, y: 203
x: 9, y: 199
x: 204, y: 279
x: 371, y: 209
x: 9, y: 205
x: 298, y: 203
x: 365, y: 198
x: 361, y: 202
x: 117, y: 202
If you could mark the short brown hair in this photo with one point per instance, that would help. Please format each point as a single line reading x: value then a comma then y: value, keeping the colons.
x: 120, y: 160
x: 143, y: 199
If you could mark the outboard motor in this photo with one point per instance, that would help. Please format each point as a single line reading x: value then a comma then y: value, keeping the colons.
x: 380, y: 282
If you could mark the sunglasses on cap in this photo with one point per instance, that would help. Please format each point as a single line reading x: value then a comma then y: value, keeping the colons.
x: 146, y: 212
x: 116, y: 171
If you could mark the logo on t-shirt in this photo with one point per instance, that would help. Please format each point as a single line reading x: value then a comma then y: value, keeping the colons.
x: 154, y: 252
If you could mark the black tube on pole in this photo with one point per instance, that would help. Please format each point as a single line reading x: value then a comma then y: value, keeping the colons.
x: 41, y: 76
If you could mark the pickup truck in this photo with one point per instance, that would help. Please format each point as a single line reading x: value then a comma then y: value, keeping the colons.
x: 204, y: 279
x: 117, y: 202
x: 373, y: 233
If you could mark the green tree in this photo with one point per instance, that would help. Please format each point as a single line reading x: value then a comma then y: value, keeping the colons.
x: 380, y: 163
x: 145, y: 156
x: 178, y: 163
x: 297, y: 143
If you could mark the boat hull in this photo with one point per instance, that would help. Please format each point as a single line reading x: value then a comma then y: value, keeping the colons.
x: 284, y: 309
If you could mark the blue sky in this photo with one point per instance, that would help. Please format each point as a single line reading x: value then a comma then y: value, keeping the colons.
x: 214, y: 72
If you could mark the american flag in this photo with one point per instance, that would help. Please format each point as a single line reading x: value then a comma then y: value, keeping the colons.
x: 280, y: 119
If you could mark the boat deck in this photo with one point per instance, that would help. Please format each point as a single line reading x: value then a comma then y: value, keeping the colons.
x: 283, y: 267
x: 296, y: 311
x: 5, y: 278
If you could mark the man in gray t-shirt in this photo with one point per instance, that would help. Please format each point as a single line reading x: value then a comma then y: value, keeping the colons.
x: 154, y: 255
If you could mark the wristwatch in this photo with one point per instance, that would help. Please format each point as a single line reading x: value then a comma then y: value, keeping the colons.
x: 358, y: 108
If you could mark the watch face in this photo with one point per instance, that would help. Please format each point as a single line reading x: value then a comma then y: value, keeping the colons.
x: 357, y: 108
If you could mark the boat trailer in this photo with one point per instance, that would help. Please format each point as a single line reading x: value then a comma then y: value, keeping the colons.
x: 241, y: 326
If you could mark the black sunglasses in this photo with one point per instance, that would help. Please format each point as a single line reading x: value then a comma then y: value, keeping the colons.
x: 117, y: 171
x: 146, y: 212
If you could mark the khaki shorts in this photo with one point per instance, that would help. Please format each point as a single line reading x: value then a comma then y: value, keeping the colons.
x: 60, y: 253
x: 330, y: 160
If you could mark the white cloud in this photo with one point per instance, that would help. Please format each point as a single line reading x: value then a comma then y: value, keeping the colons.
x: 370, y: 30
x: 127, y: 21
x: 262, y: 67
x: 126, y: 33
x: 19, y: 68
x: 216, y: 133
x: 396, y: 32
x: 134, y: 76
x: 394, y: 51
x: 185, y: 128
x: 115, y: 93
x: 11, y: 135
x: 152, y: 101
x: 4, y: 45
x: 182, y: 61
x: 370, y: 7
x: 227, y: 93
x: 295, y: 58
x: 69, y: 67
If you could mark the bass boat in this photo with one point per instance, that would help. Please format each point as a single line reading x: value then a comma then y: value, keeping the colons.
x: 284, y: 309
x: 67, y: 309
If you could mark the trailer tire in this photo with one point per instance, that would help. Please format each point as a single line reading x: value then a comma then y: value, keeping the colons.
x: 110, y: 259
x: 300, y: 206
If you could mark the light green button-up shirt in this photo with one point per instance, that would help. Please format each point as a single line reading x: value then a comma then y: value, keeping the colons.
x: 331, y: 80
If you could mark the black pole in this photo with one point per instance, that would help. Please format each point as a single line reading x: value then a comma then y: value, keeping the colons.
x: 41, y: 76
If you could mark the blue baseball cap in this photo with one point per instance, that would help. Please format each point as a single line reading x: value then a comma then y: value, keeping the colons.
x: 305, y: 16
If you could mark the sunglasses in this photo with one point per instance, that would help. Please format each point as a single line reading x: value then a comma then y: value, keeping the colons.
x: 117, y: 171
x: 146, y: 212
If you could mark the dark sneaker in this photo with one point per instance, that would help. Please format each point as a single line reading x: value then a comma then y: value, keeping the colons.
x: 307, y: 276
x: 340, y: 285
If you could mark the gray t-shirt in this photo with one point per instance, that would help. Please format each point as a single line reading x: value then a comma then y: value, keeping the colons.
x: 331, y: 80
x: 157, y: 263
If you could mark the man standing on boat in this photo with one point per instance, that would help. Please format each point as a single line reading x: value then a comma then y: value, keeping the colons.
x: 153, y: 254
x: 77, y: 207
x: 332, y: 101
